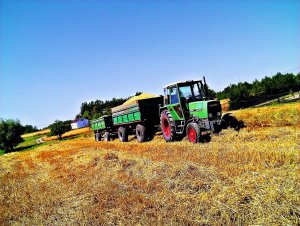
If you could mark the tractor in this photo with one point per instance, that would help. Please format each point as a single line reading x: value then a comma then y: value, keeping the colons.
x: 188, y: 110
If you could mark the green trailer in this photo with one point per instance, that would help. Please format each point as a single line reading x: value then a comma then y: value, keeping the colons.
x: 140, y: 118
x: 102, y: 127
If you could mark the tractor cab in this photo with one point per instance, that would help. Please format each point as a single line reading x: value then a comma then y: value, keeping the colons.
x: 178, y: 96
x: 185, y: 103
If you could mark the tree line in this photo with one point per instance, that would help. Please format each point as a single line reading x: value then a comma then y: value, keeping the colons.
x: 246, y: 94
x: 98, y: 108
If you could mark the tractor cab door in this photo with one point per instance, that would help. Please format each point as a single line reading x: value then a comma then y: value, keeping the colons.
x: 174, y: 104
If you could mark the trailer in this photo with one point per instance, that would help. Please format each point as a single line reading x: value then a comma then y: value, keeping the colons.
x: 102, y: 127
x: 140, y: 117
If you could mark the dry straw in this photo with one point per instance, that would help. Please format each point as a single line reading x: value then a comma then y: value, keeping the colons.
x: 249, y: 177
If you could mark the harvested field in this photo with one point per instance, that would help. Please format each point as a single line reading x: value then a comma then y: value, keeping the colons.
x: 41, y: 132
x: 71, y: 133
x: 249, y: 177
x: 271, y: 116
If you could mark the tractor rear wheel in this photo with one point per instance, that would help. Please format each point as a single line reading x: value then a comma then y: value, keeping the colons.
x: 106, y: 136
x: 167, y: 126
x: 122, y: 134
x: 193, y: 132
x: 140, y: 131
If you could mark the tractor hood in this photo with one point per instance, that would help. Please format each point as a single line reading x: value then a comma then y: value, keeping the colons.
x: 205, y: 109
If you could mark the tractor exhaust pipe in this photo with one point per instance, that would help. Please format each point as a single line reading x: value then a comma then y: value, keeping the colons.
x: 206, y: 88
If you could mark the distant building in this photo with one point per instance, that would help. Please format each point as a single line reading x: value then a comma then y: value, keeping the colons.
x: 79, y: 123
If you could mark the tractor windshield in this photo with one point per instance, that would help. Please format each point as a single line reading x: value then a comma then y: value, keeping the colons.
x: 191, y: 92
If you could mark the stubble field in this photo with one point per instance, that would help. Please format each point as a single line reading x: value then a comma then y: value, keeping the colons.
x: 247, y: 177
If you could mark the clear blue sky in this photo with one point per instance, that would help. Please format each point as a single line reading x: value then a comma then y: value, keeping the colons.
x: 57, y: 54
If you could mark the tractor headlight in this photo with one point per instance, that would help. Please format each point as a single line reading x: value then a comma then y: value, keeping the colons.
x: 219, y: 114
x: 210, y: 115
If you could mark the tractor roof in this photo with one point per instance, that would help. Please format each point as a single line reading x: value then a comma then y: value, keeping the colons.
x: 182, y: 83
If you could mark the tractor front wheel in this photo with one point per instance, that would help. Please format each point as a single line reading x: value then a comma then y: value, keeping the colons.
x: 122, y: 134
x: 167, y: 126
x: 193, y: 132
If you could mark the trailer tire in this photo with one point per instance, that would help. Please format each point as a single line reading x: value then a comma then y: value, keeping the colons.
x: 167, y: 126
x: 193, y: 132
x: 140, y: 132
x: 106, y: 136
x: 122, y: 134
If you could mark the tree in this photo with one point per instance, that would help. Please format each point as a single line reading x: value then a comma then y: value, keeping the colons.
x: 95, y: 109
x: 58, y: 128
x: 10, y: 134
x: 29, y: 129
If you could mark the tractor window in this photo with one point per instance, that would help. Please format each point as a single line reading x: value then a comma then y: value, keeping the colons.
x: 185, y: 92
x: 191, y: 92
x: 174, y: 95
x: 198, y: 92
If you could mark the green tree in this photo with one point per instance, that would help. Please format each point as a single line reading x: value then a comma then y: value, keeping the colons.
x: 29, y: 129
x: 10, y: 134
x: 58, y: 128
x: 95, y: 109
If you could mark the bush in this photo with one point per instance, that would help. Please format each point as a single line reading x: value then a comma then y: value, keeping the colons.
x: 10, y: 134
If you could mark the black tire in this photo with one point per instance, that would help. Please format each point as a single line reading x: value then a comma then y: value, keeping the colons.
x: 122, y: 134
x: 140, y: 132
x: 193, y: 132
x: 97, y: 136
x: 167, y: 126
x: 106, y: 136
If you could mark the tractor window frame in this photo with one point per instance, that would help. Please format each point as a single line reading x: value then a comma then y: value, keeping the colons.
x: 166, y: 96
x: 174, y: 98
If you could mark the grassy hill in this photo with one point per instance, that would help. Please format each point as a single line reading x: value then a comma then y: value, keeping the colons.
x: 246, y: 177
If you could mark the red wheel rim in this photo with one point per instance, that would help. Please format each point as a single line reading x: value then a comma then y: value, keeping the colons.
x: 166, y: 128
x: 192, y: 135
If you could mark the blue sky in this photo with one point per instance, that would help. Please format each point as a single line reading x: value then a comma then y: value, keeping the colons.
x: 55, y: 54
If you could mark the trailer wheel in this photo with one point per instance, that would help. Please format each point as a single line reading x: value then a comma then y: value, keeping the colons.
x: 106, y: 136
x: 122, y: 134
x: 193, y: 132
x: 140, y: 131
x: 97, y: 136
x: 167, y: 126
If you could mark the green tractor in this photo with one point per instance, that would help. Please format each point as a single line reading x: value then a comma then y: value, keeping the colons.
x: 189, y: 111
